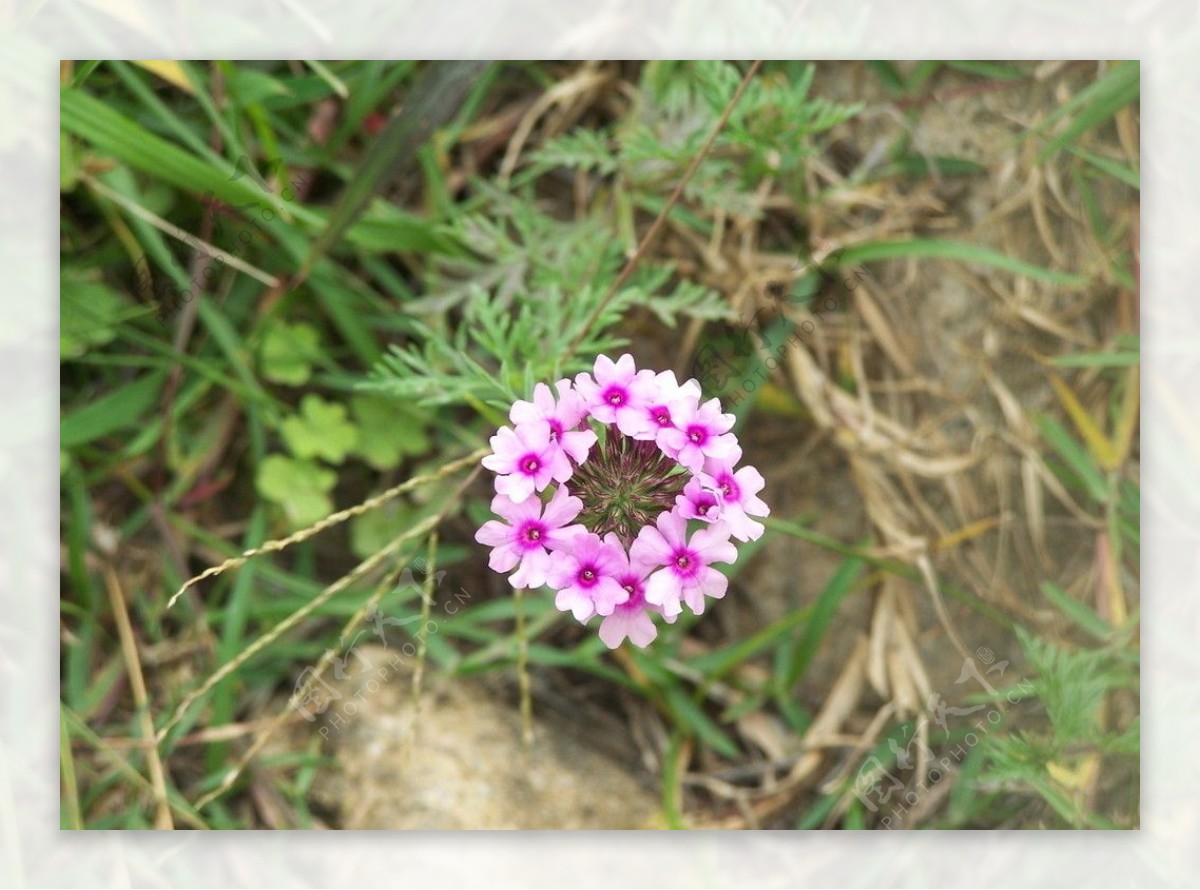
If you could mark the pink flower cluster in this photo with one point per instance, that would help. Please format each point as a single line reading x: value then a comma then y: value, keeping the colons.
x: 620, y: 490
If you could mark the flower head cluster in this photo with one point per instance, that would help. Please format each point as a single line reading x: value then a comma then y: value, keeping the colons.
x: 621, y: 491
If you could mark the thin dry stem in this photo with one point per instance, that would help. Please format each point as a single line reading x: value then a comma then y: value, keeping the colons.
x: 422, y: 646
x: 656, y: 227
x: 327, y: 658
x: 329, y: 521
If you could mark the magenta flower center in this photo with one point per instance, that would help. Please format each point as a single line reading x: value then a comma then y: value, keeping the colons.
x: 530, y: 464
x: 697, y: 434
x: 730, y: 488
x: 615, y: 396
x: 661, y: 416
x: 637, y: 594
x: 556, y: 429
x: 587, y: 575
x: 531, y: 534
x: 686, y: 563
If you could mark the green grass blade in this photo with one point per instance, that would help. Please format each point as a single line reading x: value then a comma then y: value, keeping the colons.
x: 1077, y: 611
x: 1095, y: 104
x: 1075, y: 455
x: 931, y: 248
x: 118, y: 410
x: 717, y: 663
x: 1131, y: 178
x: 111, y: 132
x: 888, y: 75
x: 1120, y: 359
x: 991, y: 70
x: 689, y: 714
x: 68, y: 813
x: 433, y: 101
x: 824, y: 609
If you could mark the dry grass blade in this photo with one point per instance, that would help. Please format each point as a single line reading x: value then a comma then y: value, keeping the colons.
x: 179, y: 234
x: 939, y: 603
x: 586, y: 79
x: 137, y: 684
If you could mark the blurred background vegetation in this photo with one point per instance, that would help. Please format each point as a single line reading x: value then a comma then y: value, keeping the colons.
x: 289, y: 287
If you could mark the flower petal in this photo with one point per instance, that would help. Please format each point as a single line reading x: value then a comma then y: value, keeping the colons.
x: 663, y: 589
x: 561, y: 509
x: 494, y: 533
x: 650, y: 548
x: 713, y: 544
x: 516, y: 511
x: 503, y: 559
x: 516, y: 486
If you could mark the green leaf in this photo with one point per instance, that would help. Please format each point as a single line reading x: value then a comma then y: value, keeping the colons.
x: 288, y: 352
x: 90, y: 313
x: 374, y: 530
x: 578, y: 149
x: 888, y: 75
x: 250, y: 87
x: 387, y: 431
x: 387, y: 229
x: 720, y: 661
x: 321, y: 429
x: 690, y: 717
x: 1131, y: 178
x: 68, y: 163
x: 301, y: 487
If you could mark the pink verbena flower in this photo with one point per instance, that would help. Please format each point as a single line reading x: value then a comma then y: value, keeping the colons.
x: 599, y: 481
x: 687, y: 575
x: 531, y: 533
x: 562, y: 417
x: 738, y: 496
x: 699, y: 432
x: 585, y: 575
x: 655, y: 412
x: 699, y: 500
x: 618, y: 393
x: 525, y: 461
x: 632, y: 618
